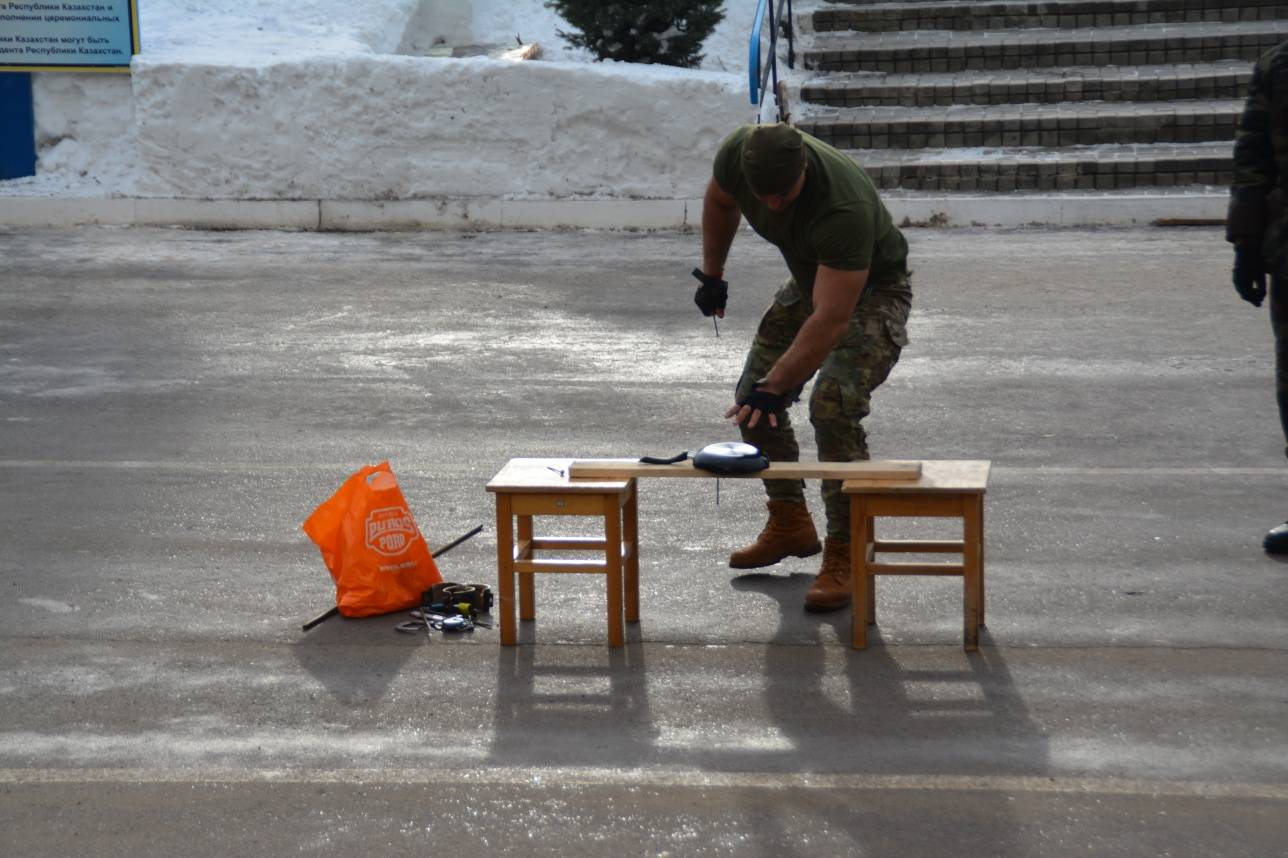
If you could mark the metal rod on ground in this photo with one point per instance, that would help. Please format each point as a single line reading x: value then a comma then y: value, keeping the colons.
x: 331, y: 612
x: 325, y: 615
x: 457, y: 541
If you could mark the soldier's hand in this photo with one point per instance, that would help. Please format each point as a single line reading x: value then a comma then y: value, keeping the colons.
x: 712, y: 295
x: 759, y: 403
x: 1249, y: 273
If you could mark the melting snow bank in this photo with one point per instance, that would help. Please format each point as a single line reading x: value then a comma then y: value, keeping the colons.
x: 286, y: 101
x: 382, y: 127
x: 392, y: 127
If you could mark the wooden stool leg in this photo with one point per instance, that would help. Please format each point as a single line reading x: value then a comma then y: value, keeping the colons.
x: 870, y: 554
x: 631, y: 536
x: 613, y: 558
x: 527, y: 585
x: 972, y: 579
x: 982, y: 588
x: 859, y: 572
x: 505, y: 568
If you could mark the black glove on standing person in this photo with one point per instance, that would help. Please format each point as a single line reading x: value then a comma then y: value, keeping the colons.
x: 1249, y: 273
x: 712, y: 295
x: 765, y: 402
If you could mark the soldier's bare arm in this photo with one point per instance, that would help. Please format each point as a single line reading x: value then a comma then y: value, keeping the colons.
x: 720, y: 218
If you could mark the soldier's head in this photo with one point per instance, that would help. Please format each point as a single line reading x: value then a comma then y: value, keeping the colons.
x: 773, y: 160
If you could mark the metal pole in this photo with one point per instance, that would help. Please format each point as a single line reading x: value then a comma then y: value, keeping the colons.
x: 791, y: 46
x: 773, y: 49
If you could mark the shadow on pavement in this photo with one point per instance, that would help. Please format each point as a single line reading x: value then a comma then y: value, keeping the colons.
x: 555, y: 706
x: 355, y: 659
x: 881, y: 712
x: 920, y: 713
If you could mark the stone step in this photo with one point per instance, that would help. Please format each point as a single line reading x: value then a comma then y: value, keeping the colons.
x: 1087, y: 168
x: 1071, y: 124
x: 1032, y: 86
x: 887, y: 17
x: 951, y: 51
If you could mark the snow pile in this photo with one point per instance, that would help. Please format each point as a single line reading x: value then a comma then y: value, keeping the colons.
x: 84, y: 135
x: 403, y: 128
x: 272, y: 99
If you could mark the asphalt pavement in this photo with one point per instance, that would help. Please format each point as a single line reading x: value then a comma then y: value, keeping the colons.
x: 174, y: 403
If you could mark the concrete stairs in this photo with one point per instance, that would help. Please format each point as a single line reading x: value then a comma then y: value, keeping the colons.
x: 1040, y: 95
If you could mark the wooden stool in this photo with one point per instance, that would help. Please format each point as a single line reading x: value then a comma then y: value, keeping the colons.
x: 530, y: 487
x: 953, y: 489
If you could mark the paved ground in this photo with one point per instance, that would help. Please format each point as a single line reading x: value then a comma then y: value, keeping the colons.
x: 173, y: 404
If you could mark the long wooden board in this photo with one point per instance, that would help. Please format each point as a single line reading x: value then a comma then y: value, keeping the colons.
x: 969, y: 476
x: 624, y: 469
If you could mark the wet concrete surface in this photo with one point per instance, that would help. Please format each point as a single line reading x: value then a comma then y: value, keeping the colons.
x: 174, y: 403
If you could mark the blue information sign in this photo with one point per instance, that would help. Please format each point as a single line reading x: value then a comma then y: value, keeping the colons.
x: 17, y: 127
x: 68, y: 35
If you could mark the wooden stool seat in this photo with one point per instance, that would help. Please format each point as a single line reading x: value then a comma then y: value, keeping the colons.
x: 527, y: 488
x: 951, y: 489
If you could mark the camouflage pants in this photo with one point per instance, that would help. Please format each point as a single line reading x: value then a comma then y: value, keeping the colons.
x: 842, y: 394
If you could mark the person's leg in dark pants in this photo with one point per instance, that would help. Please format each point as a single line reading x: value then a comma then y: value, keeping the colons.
x: 1276, y: 541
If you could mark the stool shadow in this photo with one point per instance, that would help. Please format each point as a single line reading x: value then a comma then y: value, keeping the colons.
x: 923, y: 710
x: 588, y: 704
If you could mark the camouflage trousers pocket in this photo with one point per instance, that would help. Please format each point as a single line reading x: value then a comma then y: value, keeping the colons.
x: 896, y: 331
x: 837, y: 405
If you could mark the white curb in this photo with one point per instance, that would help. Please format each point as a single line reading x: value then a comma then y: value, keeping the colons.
x: 951, y: 210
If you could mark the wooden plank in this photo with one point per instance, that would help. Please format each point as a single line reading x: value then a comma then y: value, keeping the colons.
x: 962, y: 476
x: 527, y: 567
x: 862, y: 599
x: 913, y: 503
x: 557, y: 502
x: 916, y: 569
x: 505, y: 569
x: 535, y: 476
x: 973, y: 574
x: 569, y: 543
x: 613, y: 536
x: 623, y: 469
x: 924, y: 546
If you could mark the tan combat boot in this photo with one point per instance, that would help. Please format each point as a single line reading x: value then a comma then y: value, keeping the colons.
x: 831, y: 588
x: 788, y: 533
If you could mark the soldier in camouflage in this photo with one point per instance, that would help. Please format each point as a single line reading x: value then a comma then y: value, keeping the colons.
x: 841, y: 315
x: 1256, y: 222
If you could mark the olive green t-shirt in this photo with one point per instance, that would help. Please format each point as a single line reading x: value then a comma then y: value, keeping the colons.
x: 838, y: 220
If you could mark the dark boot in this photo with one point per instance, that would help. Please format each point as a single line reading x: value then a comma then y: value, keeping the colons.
x: 1276, y: 541
x: 831, y: 589
x: 788, y: 533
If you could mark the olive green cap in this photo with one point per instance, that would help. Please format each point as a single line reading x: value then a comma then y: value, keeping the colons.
x: 772, y: 158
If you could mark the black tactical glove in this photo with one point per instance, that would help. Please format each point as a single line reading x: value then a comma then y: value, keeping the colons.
x: 712, y: 295
x: 1249, y: 273
x: 764, y: 401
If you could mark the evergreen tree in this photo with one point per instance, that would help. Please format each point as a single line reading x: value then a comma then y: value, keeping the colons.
x: 668, y: 32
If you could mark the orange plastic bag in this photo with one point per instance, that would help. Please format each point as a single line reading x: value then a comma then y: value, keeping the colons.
x: 372, y: 546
